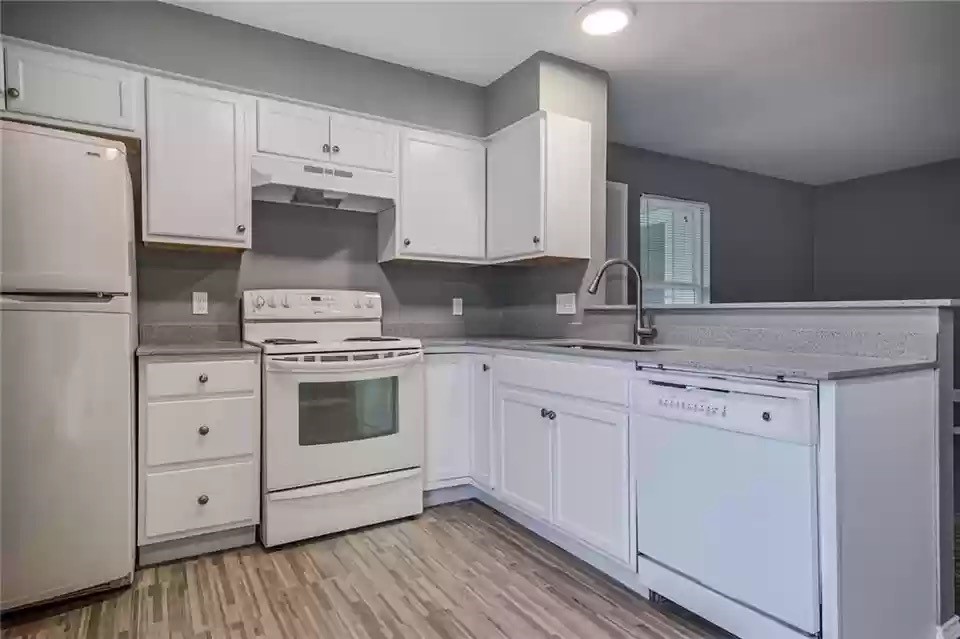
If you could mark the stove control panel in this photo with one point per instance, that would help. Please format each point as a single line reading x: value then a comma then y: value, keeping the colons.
x: 310, y: 304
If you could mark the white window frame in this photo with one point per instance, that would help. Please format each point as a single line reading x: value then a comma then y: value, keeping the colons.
x: 701, y: 287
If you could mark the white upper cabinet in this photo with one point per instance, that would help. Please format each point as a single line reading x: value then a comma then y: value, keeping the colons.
x: 441, y: 214
x: 538, y: 189
x: 363, y: 143
x: 73, y: 89
x: 447, y: 381
x: 293, y: 130
x: 198, y: 165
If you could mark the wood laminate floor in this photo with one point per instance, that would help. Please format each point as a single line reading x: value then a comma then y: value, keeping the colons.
x: 460, y: 570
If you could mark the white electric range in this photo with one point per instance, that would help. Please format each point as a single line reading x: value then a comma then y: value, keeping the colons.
x: 342, y: 413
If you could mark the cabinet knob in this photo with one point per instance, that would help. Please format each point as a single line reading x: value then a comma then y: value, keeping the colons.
x: 203, y: 430
x: 549, y: 414
x: 241, y: 228
x: 766, y: 416
x: 406, y: 241
x: 536, y: 239
x: 202, y: 500
x: 326, y: 148
x: 486, y: 367
x: 203, y: 378
x: 336, y: 149
x: 13, y: 92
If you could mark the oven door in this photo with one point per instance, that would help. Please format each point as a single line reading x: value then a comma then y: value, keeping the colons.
x: 331, y: 420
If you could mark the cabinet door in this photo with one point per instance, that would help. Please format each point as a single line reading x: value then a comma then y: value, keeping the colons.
x: 198, y: 165
x: 515, y: 190
x: 526, y: 459
x: 290, y: 129
x: 482, y: 448
x: 592, y: 478
x: 447, y: 380
x: 66, y: 88
x: 442, y: 211
x: 363, y: 143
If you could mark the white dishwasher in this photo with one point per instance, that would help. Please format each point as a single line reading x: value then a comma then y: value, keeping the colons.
x: 726, y: 480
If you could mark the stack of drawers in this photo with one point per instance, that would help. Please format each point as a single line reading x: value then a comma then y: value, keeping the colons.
x: 199, y: 446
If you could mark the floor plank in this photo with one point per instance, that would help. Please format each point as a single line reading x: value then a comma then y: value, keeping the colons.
x: 458, y: 571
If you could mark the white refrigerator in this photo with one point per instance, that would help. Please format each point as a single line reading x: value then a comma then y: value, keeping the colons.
x: 67, y: 339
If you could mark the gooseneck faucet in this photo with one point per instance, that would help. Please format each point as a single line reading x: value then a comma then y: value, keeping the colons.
x: 641, y: 332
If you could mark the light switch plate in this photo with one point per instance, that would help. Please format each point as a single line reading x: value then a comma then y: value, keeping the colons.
x: 458, y: 306
x: 566, y: 303
x: 199, y: 302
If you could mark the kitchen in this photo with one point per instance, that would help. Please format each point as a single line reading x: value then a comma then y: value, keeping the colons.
x: 537, y: 429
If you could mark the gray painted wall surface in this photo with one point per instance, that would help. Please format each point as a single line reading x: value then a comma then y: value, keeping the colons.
x: 762, y: 231
x: 175, y: 39
x: 513, y: 96
x: 890, y: 236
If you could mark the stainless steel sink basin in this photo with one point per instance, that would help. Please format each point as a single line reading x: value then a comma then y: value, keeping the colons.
x: 605, y: 346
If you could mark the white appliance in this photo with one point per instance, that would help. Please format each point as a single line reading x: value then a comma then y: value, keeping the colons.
x: 726, y: 480
x: 342, y: 413
x: 67, y: 365
x: 290, y: 181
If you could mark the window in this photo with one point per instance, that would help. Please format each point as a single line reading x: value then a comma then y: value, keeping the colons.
x: 673, y: 251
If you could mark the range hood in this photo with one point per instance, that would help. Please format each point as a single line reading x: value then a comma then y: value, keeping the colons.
x: 291, y: 181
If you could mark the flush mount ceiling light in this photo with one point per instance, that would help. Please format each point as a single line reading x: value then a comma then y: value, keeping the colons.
x: 604, y: 18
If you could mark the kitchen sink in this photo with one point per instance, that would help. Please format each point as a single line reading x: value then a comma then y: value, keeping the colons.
x: 606, y: 346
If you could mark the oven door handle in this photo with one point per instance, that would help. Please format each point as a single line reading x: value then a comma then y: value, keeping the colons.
x: 279, y: 366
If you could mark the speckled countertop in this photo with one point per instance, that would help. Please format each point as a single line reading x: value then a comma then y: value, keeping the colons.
x: 196, y: 348
x: 766, y: 364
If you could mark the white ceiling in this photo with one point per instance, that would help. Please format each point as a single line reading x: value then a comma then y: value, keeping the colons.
x: 812, y: 92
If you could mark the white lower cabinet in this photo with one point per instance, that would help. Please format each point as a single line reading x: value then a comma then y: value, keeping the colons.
x: 526, y: 459
x: 483, y: 443
x: 199, y: 451
x: 447, y: 432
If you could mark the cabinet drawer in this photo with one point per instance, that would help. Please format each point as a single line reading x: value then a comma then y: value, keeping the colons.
x: 289, y: 129
x: 193, y: 430
x: 173, y: 499
x: 165, y: 379
x: 599, y: 383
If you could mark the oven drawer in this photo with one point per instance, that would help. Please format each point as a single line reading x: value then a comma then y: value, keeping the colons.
x: 168, y: 379
x: 185, y: 500
x: 194, y: 430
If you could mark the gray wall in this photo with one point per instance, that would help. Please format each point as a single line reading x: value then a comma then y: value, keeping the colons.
x: 175, y: 39
x: 761, y: 231
x: 890, y: 236
x: 513, y: 96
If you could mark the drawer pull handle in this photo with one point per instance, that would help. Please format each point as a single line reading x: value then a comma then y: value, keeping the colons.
x: 203, y: 378
x: 203, y: 430
x: 202, y: 500
x: 766, y: 416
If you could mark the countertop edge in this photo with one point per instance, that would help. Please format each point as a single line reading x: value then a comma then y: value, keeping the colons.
x: 200, y: 348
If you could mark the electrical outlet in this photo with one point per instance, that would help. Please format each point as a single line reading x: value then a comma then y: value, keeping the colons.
x: 566, y: 303
x: 458, y: 306
x: 199, y: 302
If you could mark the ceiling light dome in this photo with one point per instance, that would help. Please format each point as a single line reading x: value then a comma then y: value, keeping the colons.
x: 604, y: 18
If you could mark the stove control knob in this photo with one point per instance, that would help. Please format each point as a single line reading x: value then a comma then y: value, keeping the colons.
x: 272, y: 302
x: 259, y: 302
x: 357, y: 304
x: 369, y: 303
x: 286, y: 302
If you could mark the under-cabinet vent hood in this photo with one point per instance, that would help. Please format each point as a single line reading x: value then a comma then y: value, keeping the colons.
x: 290, y: 181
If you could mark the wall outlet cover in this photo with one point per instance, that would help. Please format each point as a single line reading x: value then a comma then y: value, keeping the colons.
x: 566, y: 303
x: 458, y: 306
x: 199, y: 302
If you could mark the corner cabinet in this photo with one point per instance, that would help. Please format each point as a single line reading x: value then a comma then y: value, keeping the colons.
x: 441, y: 212
x: 538, y: 189
x: 198, y: 165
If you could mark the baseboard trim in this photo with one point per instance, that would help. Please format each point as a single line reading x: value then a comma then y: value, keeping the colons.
x: 449, y: 495
x: 197, y: 545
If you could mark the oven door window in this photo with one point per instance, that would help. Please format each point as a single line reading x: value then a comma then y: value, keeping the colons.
x: 334, y: 412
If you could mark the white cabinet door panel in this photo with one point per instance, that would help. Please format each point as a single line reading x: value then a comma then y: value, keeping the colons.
x: 442, y: 196
x: 68, y: 88
x: 592, y: 478
x: 447, y: 382
x: 198, y: 164
x: 363, y: 143
x: 526, y: 467
x: 290, y: 129
x: 483, y: 443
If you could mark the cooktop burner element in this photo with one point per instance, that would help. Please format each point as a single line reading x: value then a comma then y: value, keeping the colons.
x: 372, y: 339
x: 288, y: 340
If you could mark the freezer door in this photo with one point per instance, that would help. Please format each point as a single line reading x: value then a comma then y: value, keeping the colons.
x: 66, y: 509
x: 67, y: 211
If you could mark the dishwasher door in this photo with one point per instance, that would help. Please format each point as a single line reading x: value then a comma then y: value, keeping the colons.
x: 726, y: 478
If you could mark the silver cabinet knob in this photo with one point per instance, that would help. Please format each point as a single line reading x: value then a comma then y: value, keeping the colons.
x: 766, y: 416
x: 549, y: 414
x: 13, y: 92
x: 203, y: 378
x: 241, y: 228
x: 486, y: 367
x: 326, y: 148
x: 203, y: 430
x: 336, y: 149
x: 202, y: 500
x: 536, y: 239
x: 406, y: 242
